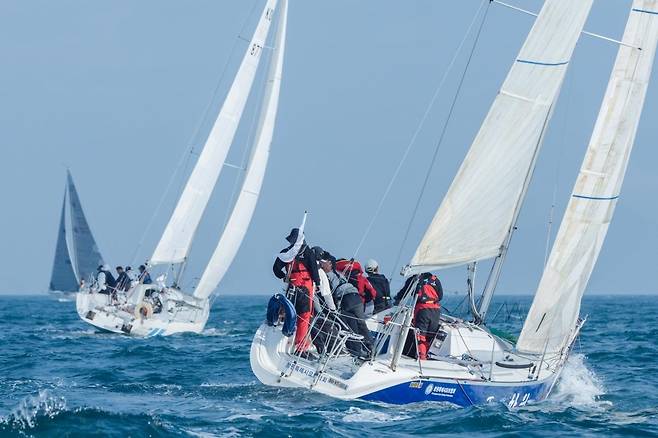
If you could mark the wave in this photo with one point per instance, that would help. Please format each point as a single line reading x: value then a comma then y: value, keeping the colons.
x: 359, y: 415
x: 579, y: 386
x: 46, y: 414
x: 25, y: 415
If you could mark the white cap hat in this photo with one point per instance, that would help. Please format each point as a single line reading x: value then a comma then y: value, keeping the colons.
x: 371, y: 265
x: 106, y: 267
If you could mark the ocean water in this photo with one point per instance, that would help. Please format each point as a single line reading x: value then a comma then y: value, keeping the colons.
x: 61, y: 377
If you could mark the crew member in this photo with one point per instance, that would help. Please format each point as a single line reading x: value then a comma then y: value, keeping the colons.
x: 134, y: 278
x: 427, y: 311
x: 144, y: 276
x: 381, y: 285
x: 123, y: 281
x: 349, y: 301
x: 351, y: 270
x: 105, y: 282
x: 297, y: 264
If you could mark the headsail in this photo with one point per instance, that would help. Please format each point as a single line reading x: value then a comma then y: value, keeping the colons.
x: 480, y: 208
x: 177, y: 238
x: 556, y: 306
x: 237, y: 225
x: 86, y: 255
x: 63, y: 277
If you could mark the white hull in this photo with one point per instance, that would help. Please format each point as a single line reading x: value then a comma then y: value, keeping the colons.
x: 470, y: 367
x: 180, y: 313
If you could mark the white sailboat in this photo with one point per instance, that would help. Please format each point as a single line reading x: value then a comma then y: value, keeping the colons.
x: 76, y: 253
x: 150, y: 310
x: 468, y: 364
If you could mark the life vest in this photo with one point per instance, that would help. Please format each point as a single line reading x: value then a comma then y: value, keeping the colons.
x: 299, y: 273
x: 428, y: 293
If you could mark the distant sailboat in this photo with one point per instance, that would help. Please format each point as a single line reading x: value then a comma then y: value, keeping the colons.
x: 76, y: 253
x: 180, y: 311
x: 471, y: 365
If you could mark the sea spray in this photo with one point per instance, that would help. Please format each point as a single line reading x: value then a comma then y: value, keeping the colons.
x: 26, y: 414
x: 578, y: 385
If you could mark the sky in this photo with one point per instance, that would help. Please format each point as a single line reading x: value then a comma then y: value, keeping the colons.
x: 121, y: 91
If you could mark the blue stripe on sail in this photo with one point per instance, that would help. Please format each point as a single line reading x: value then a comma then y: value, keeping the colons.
x: 645, y: 11
x: 549, y: 64
x: 596, y: 198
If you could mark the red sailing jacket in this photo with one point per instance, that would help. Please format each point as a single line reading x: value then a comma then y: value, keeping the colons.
x: 351, y: 269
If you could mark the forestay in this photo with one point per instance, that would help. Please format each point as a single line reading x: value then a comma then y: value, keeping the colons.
x: 482, y: 202
x: 237, y: 225
x: 177, y: 237
x: 63, y: 277
x: 556, y: 306
x: 86, y: 255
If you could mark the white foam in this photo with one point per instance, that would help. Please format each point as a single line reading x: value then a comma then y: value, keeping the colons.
x: 358, y: 415
x: 214, y: 332
x: 578, y: 385
x: 44, y: 404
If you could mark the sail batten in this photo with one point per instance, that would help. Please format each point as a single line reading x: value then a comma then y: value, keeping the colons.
x: 176, y: 240
x: 236, y: 227
x: 556, y: 306
x: 480, y: 207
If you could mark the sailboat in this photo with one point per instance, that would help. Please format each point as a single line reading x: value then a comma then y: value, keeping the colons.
x: 76, y: 253
x: 468, y: 364
x: 159, y: 310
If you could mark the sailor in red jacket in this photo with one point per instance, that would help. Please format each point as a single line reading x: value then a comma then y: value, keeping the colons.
x: 351, y: 269
x: 297, y: 264
x: 427, y: 312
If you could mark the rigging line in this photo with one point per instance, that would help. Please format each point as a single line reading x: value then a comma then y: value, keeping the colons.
x: 584, y: 32
x: 444, y: 129
x: 558, y: 167
x: 189, y: 148
x: 250, y: 141
x: 417, y: 131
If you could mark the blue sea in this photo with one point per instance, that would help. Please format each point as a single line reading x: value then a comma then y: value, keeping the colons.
x: 60, y: 377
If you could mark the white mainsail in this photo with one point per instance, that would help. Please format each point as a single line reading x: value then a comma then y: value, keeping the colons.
x: 177, y: 237
x: 237, y: 225
x: 556, y: 306
x: 479, y: 210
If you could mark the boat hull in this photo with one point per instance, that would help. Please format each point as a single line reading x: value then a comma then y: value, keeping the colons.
x: 273, y: 365
x: 463, y: 393
x: 94, y: 309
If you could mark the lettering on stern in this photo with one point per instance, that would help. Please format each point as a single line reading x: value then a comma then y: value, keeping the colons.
x: 297, y: 368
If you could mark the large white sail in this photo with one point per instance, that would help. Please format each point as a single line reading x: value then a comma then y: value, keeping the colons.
x: 479, y: 209
x: 237, y: 225
x: 556, y: 306
x: 177, y: 237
